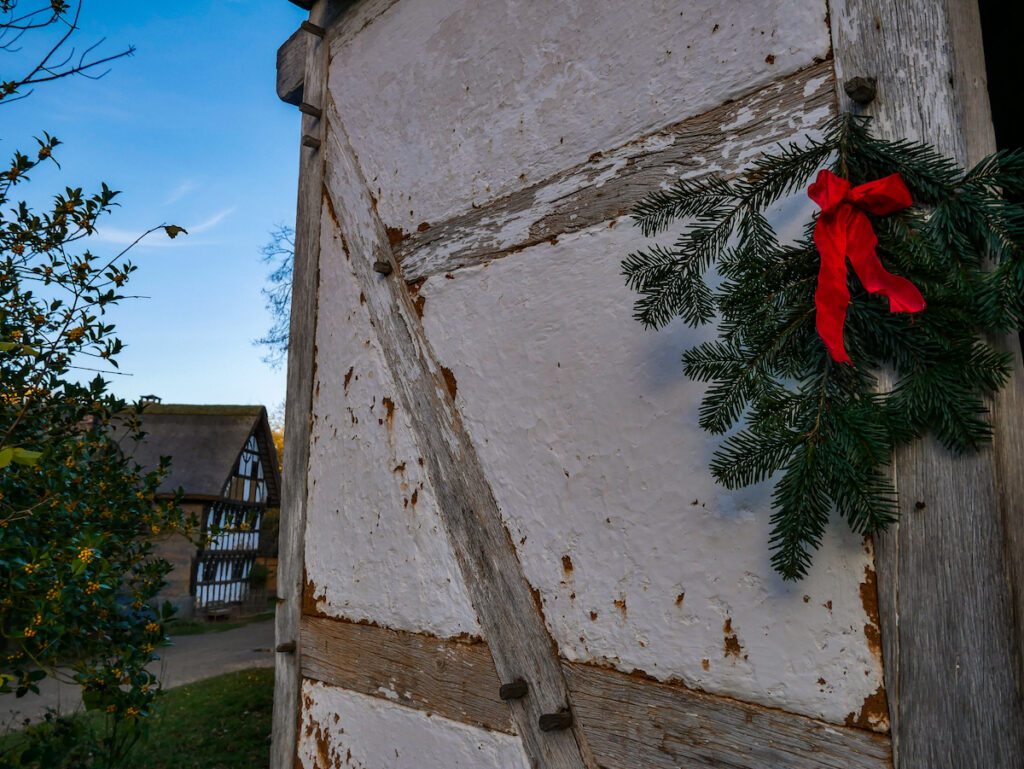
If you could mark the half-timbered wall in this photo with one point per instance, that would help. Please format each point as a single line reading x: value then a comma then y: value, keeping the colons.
x: 497, y: 473
x: 233, y: 527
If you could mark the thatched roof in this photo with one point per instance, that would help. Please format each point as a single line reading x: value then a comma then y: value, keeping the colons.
x: 204, y: 443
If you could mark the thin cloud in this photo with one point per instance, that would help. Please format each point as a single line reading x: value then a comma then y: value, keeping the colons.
x: 212, y: 222
x: 181, y: 191
x: 117, y: 236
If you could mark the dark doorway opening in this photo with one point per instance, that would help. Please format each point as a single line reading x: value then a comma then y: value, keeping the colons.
x: 1002, y: 22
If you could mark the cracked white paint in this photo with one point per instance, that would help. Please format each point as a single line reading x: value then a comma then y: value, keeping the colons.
x: 587, y: 430
x: 453, y: 103
x: 375, y: 546
x: 341, y: 728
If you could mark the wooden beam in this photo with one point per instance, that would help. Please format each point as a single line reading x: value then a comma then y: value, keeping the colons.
x: 610, y: 183
x: 298, y: 410
x: 453, y: 679
x: 635, y: 723
x: 630, y: 722
x: 291, y: 66
x: 505, y: 605
x: 950, y: 573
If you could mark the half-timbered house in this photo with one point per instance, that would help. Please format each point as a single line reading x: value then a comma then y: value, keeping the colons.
x: 500, y: 543
x: 224, y: 460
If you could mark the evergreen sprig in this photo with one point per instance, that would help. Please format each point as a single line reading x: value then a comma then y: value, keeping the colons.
x: 823, y: 430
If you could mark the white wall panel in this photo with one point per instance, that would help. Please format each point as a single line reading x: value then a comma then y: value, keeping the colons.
x: 587, y: 428
x: 375, y: 547
x: 451, y: 103
x: 341, y: 728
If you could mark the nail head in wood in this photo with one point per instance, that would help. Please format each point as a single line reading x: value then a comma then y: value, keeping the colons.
x: 288, y: 647
x: 311, y: 141
x: 861, y: 89
x: 313, y: 29
x: 308, y: 109
x: 384, y: 268
x: 550, y: 722
x: 513, y: 691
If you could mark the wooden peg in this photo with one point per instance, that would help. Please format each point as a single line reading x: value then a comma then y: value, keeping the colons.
x: 313, y: 29
x: 513, y: 691
x: 311, y: 141
x: 861, y: 89
x: 308, y: 109
x: 384, y: 268
x: 550, y: 722
x: 288, y: 647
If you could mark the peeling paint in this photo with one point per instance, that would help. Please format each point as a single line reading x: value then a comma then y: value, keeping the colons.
x: 874, y: 714
x: 731, y: 642
x: 449, y: 381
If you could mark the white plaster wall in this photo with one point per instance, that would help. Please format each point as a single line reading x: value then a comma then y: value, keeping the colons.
x: 375, y: 547
x: 341, y: 728
x: 451, y: 103
x: 587, y: 429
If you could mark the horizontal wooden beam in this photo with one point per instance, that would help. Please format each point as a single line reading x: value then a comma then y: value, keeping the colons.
x: 629, y: 721
x: 608, y: 184
x: 632, y: 722
x: 453, y: 679
x: 291, y: 67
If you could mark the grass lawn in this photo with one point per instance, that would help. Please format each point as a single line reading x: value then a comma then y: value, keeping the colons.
x: 219, y: 723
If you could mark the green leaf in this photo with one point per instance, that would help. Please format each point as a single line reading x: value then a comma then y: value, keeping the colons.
x: 174, y: 230
x: 6, y: 455
x: 8, y: 346
x: 26, y: 457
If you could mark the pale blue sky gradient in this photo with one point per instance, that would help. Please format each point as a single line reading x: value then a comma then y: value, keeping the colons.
x: 191, y: 131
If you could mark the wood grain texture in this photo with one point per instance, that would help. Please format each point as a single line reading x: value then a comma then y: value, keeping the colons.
x: 630, y: 722
x: 505, y: 605
x: 609, y: 184
x: 298, y: 408
x: 291, y: 66
x: 453, y: 679
x: 947, y: 572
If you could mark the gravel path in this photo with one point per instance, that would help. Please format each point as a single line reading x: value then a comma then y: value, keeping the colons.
x: 191, y: 658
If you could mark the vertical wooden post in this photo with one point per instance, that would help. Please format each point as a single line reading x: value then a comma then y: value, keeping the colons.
x: 298, y: 408
x: 950, y: 572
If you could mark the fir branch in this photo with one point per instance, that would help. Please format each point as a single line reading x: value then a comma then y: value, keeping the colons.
x: 821, y: 429
x: 686, y: 199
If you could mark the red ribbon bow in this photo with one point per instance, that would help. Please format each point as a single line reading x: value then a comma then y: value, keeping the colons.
x: 843, y: 230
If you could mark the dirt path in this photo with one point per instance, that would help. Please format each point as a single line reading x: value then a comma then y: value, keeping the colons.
x: 191, y: 658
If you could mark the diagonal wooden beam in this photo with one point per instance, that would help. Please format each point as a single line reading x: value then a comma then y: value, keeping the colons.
x: 504, y: 602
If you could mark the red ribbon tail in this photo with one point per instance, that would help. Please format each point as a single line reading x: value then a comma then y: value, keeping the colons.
x: 831, y: 297
x: 903, y: 295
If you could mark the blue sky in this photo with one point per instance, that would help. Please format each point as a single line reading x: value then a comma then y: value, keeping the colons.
x: 190, y: 129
